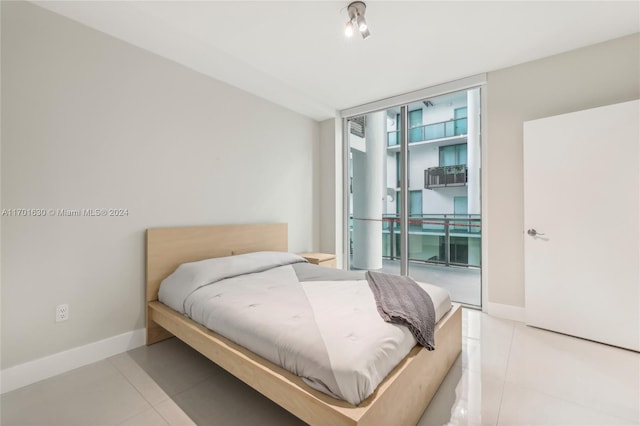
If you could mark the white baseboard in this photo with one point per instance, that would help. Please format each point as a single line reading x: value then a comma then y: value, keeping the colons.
x: 33, y: 371
x: 510, y: 312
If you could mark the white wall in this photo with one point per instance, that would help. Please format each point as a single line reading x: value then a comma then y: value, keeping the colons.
x: 602, y: 74
x: 89, y: 121
x: 331, y: 187
x: 421, y: 157
x: 440, y: 201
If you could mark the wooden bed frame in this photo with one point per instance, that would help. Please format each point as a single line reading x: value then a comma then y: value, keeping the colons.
x: 399, y: 400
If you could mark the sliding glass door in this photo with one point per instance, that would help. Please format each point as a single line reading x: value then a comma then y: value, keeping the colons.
x: 423, y: 221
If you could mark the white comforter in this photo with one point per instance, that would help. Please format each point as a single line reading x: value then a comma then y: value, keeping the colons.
x: 327, y: 332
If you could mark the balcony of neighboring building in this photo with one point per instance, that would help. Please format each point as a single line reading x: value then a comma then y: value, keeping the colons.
x: 454, y: 130
x: 445, y: 176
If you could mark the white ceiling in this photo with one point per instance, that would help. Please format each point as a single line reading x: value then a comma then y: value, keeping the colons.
x: 294, y: 53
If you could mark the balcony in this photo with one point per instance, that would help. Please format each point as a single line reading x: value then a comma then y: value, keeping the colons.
x: 443, y: 129
x: 446, y: 176
x: 443, y: 239
x: 444, y: 249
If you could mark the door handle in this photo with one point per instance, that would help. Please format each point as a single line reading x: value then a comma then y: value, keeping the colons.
x: 533, y: 232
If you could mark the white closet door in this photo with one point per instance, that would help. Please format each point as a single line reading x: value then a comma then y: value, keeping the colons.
x: 582, y: 197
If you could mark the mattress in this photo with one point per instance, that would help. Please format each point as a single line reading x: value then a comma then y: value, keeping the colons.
x: 319, y: 323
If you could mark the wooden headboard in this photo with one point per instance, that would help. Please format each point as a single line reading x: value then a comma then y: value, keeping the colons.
x: 167, y: 248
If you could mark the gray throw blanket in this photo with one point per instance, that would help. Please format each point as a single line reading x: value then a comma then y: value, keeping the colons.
x: 400, y: 300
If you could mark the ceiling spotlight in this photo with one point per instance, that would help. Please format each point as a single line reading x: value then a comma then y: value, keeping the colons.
x: 356, y: 12
x: 365, y: 33
x: 348, y: 31
x: 362, y: 24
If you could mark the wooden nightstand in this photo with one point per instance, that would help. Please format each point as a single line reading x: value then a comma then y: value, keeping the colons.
x: 322, y: 259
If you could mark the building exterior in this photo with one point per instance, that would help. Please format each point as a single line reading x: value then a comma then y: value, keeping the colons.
x: 443, y: 174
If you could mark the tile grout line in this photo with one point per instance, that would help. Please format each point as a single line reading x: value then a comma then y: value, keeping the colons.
x: 136, y: 388
x: 163, y: 417
x: 151, y: 405
x: 169, y: 397
x: 504, y: 381
x: 137, y: 414
x: 176, y: 404
x: 145, y: 400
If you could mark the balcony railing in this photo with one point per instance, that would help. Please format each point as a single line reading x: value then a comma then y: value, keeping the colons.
x: 449, y: 239
x: 443, y: 129
x: 440, y: 177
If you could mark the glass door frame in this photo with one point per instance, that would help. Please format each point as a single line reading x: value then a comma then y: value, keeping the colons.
x: 402, y: 101
x: 404, y: 190
x: 403, y: 200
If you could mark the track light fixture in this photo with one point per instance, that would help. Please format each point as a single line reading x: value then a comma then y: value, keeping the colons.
x: 356, y: 12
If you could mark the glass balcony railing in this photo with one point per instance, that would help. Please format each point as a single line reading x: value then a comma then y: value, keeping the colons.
x: 446, y: 239
x: 393, y: 138
x: 444, y: 129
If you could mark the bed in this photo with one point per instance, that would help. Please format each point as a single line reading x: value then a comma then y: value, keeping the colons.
x: 412, y: 382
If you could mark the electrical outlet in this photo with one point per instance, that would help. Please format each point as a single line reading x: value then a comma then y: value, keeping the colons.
x: 62, y: 312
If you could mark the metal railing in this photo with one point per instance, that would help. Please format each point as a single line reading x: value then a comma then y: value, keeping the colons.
x: 443, y: 129
x: 439, y: 177
x: 438, y: 239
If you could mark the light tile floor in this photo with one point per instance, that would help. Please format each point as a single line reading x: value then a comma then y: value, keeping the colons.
x: 508, y: 374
